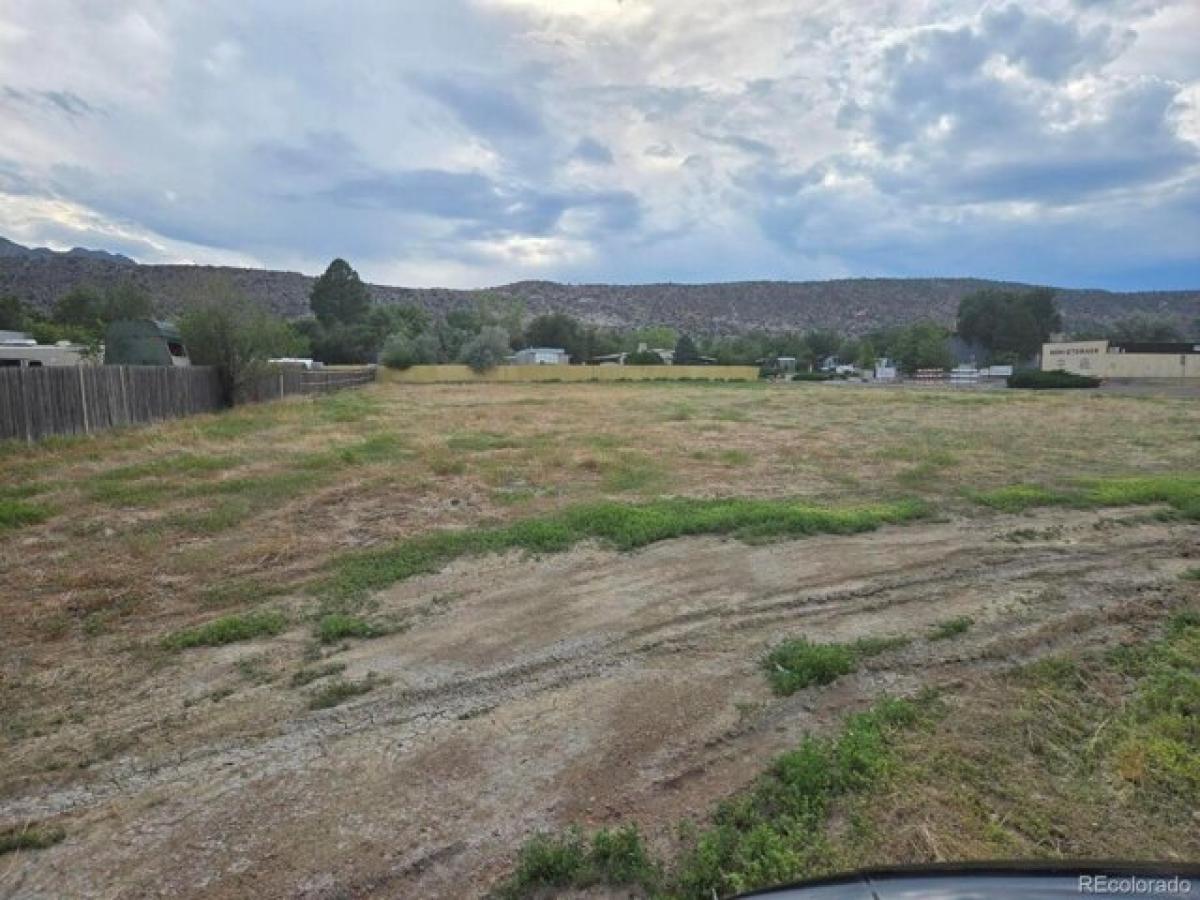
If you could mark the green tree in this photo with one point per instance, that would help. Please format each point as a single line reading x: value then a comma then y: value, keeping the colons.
x: 657, y: 337
x: 686, y: 353
x: 79, y: 307
x: 922, y: 345
x: 14, y: 315
x: 428, y: 349
x: 340, y: 344
x: 487, y: 349
x: 866, y: 354
x: 558, y: 330
x: 225, y: 329
x: 1147, y: 328
x: 601, y: 342
x: 822, y: 343
x: 401, y: 351
x: 1009, y: 325
x: 397, y: 318
x: 738, y: 349
x: 125, y: 300
x: 339, y: 297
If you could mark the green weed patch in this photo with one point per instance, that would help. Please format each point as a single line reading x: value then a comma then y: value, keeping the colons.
x: 571, y: 860
x: 799, y: 663
x: 1020, y: 497
x: 623, y: 526
x: 1181, y: 492
x: 17, y: 513
x: 375, y: 449
x: 770, y: 834
x: 228, y: 630
x: 29, y: 837
x: 339, y: 626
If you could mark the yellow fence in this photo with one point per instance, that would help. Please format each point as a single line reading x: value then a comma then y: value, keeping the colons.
x: 437, y: 374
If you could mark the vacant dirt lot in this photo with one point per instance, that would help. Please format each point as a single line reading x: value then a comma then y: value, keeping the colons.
x: 512, y: 693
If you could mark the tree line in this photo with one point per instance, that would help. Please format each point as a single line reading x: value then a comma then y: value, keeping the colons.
x: 223, y: 328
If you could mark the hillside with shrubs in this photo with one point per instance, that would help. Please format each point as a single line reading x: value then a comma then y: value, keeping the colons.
x: 848, y: 306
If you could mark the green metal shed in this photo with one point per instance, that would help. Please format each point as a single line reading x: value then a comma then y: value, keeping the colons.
x: 144, y: 342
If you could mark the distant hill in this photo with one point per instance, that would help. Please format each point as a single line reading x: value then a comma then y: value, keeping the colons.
x: 850, y: 306
x: 12, y: 250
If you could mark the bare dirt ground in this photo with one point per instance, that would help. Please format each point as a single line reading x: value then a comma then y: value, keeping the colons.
x: 588, y: 687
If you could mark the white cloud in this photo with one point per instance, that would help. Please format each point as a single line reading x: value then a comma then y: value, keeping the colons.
x: 489, y: 140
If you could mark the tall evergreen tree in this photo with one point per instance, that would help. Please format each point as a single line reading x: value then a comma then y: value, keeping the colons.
x: 339, y: 297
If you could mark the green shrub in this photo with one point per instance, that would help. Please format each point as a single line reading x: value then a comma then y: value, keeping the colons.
x: 486, y: 350
x: 812, y: 376
x: 398, y: 352
x: 228, y: 630
x: 1058, y: 378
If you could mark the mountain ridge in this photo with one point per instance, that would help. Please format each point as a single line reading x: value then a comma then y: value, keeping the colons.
x: 850, y: 306
x: 13, y: 250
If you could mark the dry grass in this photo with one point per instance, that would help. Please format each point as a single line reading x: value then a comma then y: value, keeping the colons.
x: 1093, y: 757
x: 265, y: 494
x: 149, y: 531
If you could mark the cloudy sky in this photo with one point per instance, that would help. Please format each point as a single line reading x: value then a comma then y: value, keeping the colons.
x: 475, y: 142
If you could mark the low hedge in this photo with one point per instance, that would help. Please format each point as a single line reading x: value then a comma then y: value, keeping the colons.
x: 1059, y: 378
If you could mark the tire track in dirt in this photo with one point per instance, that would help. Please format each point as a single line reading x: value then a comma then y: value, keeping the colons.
x: 588, y: 685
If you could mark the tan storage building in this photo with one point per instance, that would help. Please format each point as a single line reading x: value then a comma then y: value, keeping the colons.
x: 1102, y: 359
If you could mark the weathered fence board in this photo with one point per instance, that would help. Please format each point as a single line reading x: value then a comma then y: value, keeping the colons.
x: 285, y: 381
x: 39, y: 402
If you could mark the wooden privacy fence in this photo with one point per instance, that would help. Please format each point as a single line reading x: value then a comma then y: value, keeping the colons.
x: 39, y: 402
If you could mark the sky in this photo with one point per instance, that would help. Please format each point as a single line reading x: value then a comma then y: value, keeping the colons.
x: 465, y: 143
